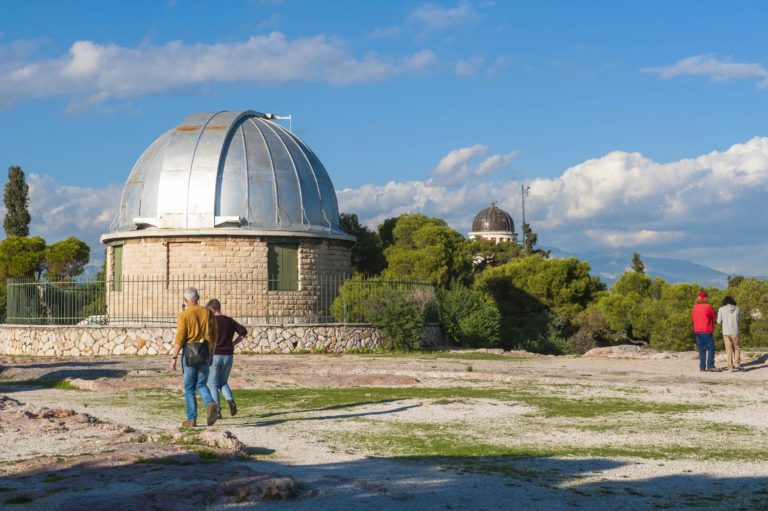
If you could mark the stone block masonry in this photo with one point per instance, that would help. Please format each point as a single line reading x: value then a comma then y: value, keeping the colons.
x: 234, y: 269
x: 75, y: 341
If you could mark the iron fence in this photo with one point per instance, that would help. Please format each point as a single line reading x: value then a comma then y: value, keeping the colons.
x: 130, y: 300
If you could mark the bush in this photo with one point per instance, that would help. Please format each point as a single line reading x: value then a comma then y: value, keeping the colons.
x: 354, y: 295
x: 469, y: 318
x: 555, y: 340
x: 401, y: 315
x: 591, y: 331
x: 531, y: 291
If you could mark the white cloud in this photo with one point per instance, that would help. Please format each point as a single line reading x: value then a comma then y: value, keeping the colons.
x: 60, y: 211
x: 620, y: 239
x: 467, y: 67
x: 462, y: 163
x: 716, y: 200
x: 91, y: 73
x: 421, y: 61
x: 708, y: 65
x: 495, y: 162
x: 435, y: 18
x: 710, y: 209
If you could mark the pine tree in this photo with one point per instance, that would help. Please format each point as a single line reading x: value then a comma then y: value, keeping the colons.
x: 530, y: 238
x: 637, y: 264
x: 16, y: 200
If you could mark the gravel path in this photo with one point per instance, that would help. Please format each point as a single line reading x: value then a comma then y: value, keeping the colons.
x: 311, y: 446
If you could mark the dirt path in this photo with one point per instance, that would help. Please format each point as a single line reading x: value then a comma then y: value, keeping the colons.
x: 374, y: 432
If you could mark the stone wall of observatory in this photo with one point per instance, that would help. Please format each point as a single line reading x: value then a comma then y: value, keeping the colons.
x: 233, y: 269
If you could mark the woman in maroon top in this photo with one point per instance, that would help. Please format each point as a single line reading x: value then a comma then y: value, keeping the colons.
x: 223, y: 355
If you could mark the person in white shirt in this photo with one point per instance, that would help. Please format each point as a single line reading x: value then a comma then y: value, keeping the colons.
x: 728, y: 317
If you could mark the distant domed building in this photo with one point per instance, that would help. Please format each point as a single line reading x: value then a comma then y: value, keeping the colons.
x: 234, y: 204
x: 493, y: 224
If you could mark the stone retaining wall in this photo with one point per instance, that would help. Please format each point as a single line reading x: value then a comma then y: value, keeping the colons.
x: 74, y: 341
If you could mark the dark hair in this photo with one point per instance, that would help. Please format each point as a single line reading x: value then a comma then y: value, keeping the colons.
x: 214, y: 305
x: 728, y: 300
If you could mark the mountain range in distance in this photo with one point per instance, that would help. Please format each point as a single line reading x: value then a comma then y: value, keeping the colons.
x: 609, y: 266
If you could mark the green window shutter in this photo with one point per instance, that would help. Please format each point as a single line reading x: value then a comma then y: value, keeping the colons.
x: 117, y: 267
x: 283, y: 266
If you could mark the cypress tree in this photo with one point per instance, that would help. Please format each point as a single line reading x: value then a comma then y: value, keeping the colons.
x: 637, y: 263
x: 530, y: 239
x: 16, y: 200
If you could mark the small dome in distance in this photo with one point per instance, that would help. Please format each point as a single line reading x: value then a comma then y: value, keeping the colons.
x: 493, y: 219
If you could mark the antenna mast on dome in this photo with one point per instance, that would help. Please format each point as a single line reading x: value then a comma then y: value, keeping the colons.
x: 288, y: 118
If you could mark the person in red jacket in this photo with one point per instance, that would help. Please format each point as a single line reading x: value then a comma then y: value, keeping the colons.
x: 703, y: 317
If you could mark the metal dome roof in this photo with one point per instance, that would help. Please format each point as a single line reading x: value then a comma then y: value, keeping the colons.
x: 229, y: 170
x: 493, y: 219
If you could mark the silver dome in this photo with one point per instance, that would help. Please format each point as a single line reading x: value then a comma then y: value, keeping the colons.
x: 233, y: 171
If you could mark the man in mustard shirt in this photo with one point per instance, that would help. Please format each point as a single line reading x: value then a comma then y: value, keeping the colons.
x: 195, y: 325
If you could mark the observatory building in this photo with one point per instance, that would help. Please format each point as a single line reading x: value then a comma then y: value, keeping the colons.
x: 493, y: 224
x: 231, y: 203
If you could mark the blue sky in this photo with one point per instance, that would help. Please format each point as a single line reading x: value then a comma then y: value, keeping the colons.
x: 639, y: 125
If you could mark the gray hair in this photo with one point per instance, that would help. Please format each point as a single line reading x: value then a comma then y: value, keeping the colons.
x: 191, y: 293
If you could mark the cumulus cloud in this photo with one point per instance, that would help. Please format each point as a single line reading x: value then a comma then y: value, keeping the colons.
x: 629, y: 238
x: 91, y: 73
x: 435, y: 18
x: 465, y: 162
x: 710, y: 209
x: 620, y: 200
x: 60, y: 211
x: 708, y: 65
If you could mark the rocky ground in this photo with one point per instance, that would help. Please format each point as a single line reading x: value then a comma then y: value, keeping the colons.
x: 620, y: 428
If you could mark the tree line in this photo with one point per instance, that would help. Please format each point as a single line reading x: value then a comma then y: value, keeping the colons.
x: 514, y: 296
x: 25, y: 256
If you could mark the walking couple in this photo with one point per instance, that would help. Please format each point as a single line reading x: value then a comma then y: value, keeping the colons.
x: 704, y: 317
x: 208, y: 375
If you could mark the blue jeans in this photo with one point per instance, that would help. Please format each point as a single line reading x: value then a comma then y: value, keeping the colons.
x: 194, y: 380
x: 217, y: 379
x: 706, y: 345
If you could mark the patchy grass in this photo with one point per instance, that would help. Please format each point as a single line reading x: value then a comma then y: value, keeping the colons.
x: 548, y: 404
x: 549, y: 401
x: 208, y: 456
x: 458, y: 446
x: 60, y: 384
x: 53, y: 478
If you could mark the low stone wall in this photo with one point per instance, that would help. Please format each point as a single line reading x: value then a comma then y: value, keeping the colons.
x: 74, y: 341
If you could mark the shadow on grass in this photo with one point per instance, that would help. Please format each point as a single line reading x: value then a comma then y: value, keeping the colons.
x: 58, y: 374
x: 275, y: 422
x: 199, y: 481
x: 331, y: 407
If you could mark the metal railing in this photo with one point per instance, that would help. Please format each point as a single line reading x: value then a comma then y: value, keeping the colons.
x: 131, y: 300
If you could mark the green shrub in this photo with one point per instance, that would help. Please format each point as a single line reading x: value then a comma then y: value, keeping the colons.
x: 354, y: 295
x: 468, y: 317
x: 401, y: 315
x: 592, y: 331
x: 531, y: 291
